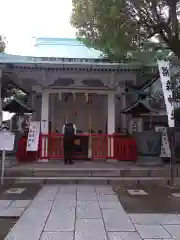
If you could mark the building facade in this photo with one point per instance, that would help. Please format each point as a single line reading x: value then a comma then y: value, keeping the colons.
x: 66, y: 81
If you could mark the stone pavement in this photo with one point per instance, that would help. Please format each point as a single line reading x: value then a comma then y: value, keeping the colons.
x: 80, y: 212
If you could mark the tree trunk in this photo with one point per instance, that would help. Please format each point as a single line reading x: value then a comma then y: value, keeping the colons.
x: 174, y: 45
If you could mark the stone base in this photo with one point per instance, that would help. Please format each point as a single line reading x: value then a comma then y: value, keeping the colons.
x: 149, y: 161
x: 111, y: 161
x: 42, y: 160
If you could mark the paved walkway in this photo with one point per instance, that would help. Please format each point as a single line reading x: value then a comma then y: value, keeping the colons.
x: 80, y: 212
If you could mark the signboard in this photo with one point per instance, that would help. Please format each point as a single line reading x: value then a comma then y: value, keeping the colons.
x: 136, y: 125
x: 148, y: 143
x: 165, y: 148
x: 164, y: 71
x: 33, y: 136
x: 6, y: 140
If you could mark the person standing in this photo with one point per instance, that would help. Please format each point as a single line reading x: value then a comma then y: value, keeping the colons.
x: 69, y: 131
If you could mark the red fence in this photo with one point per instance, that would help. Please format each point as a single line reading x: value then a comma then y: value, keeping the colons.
x: 100, y: 146
x: 125, y: 148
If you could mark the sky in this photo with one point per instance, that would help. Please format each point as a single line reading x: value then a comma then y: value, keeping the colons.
x: 21, y: 21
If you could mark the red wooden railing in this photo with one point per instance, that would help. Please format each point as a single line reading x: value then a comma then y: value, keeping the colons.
x: 103, y: 146
x: 125, y: 148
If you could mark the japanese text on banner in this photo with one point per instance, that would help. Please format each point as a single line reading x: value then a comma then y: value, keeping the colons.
x: 33, y: 136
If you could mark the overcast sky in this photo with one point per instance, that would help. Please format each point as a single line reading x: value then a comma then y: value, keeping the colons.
x: 21, y: 20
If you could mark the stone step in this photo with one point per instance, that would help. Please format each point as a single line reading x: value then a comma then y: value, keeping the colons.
x: 86, y: 172
x: 91, y: 180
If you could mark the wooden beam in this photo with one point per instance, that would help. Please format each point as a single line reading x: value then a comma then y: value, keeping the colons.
x: 80, y: 90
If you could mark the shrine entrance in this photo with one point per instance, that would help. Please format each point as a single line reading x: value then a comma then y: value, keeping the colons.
x: 87, y: 111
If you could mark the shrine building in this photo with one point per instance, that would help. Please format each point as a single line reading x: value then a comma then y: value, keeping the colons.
x: 67, y: 82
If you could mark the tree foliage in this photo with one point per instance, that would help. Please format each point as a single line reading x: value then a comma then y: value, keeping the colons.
x: 8, y: 90
x: 2, y: 44
x: 125, y: 28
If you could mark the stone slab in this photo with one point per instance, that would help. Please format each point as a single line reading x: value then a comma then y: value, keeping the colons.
x: 176, y: 195
x: 48, y: 192
x: 32, y: 222
x: 20, y: 203
x: 109, y: 205
x: 88, y: 229
x: 104, y: 190
x: 57, y: 236
x: 137, y: 192
x: 173, y: 230
x: 59, y: 203
x: 65, y: 196
x: 64, y: 199
x: 66, y: 189
x: 123, y: 236
x: 155, y: 219
x: 116, y: 220
x: 61, y: 220
x: 5, y: 203
x: 11, y: 212
x: 108, y: 198
x: 86, y: 196
x: 85, y: 188
x: 105, y: 173
x: 152, y: 231
x: 86, y: 210
x: 15, y: 191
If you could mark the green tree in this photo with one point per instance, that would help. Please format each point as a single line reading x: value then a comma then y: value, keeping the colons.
x: 125, y: 28
x: 8, y: 90
x: 2, y: 44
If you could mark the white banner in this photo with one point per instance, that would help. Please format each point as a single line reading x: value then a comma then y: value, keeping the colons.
x: 165, y: 149
x: 164, y: 71
x: 33, y: 136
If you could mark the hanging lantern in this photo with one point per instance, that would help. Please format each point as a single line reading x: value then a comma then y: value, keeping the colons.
x: 87, y: 97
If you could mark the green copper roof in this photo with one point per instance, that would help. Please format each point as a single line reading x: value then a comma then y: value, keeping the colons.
x: 64, y: 48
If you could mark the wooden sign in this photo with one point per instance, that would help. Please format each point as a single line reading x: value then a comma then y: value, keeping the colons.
x: 165, y: 148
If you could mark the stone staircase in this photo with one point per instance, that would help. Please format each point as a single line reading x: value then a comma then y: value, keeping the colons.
x: 89, y: 175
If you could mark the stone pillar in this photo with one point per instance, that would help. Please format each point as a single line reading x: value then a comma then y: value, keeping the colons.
x: 111, y: 113
x: 45, y: 122
x: 52, y: 111
x: 111, y: 122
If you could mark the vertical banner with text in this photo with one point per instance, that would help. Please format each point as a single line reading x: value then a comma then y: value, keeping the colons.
x: 165, y: 147
x: 33, y: 136
x: 164, y: 71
